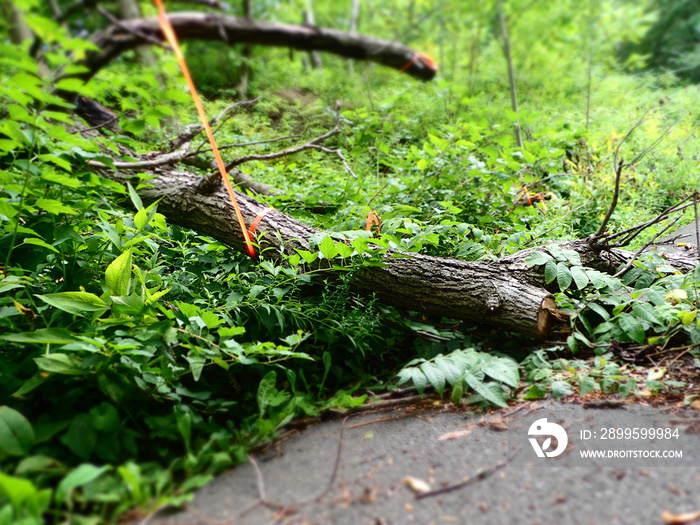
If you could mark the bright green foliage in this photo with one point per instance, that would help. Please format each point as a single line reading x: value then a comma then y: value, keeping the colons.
x: 463, y: 370
x: 138, y: 359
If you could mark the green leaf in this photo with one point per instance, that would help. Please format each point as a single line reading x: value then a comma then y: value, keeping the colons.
x: 38, y: 242
x: 328, y: 248
x: 435, y: 376
x: 632, y: 327
x: 452, y: 372
x: 79, y: 476
x: 141, y: 219
x: 645, y: 311
x: 536, y: 391
x: 503, y: 369
x: 135, y: 199
x: 266, y: 391
x: 600, y: 310
x: 118, y: 274
x: 16, y: 433
x: 564, y: 277
x: 550, y: 272
x: 183, y: 418
x: 586, y: 385
x: 561, y: 389
x: 16, y: 490
x: 42, y: 336
x: 687, y: 318
x: 60, y: 364
x: 580, y: 277
x: 538, y: 258
x: 77, y: 303
x: 53, y: 206
x: 491, y: 392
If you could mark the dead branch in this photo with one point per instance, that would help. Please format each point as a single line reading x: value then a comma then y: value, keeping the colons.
x: 117, y: 39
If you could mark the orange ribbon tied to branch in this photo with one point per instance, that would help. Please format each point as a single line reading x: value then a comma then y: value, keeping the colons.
x: 169, y: 34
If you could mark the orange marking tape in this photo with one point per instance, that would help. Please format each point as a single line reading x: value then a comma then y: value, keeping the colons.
x: 169, y: 33
x: 427, y: 61
x: 372, y: 218
x: 257, y: 220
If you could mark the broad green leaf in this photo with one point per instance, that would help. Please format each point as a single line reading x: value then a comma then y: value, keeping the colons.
x: 118, y: 274
x: 16, y: 433
x: 60, y: 364
x: 491, y: 392
x: 601, y: 311
x: 586, y: 385
x: 536, y: 391
x: 537, y: 258
x: 561, y: 389
x: 77, y: 303
x: 457, y: 392
x: 327, y: 248
x: 580, y: 277
x: 632, y: 327
x: 42, y: 336
x: 135, y: 199
x: 16, y: 490
x: 452, y: 373
x: 266, y: 391
x: 687, y: 318
x: 435, y: 376
x: 645, y: 311
x: 550, y: 272
x: 141, y: 219
x: 184, y: 425
x: 79, y: 476
x: 38, y: 242
x: 53, y: 206
x: 503, y: 369
x: 564, y: 277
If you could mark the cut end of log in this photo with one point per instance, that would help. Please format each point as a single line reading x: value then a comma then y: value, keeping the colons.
x: 546, y: 316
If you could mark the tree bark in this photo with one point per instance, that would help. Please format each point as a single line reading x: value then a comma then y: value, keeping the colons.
x: 506, y: 293
x: 114, y: 40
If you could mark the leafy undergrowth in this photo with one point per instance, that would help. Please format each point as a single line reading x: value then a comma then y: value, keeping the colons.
x: 137, y: 359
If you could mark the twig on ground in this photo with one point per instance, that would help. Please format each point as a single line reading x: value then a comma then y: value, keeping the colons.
x: 481, y: 475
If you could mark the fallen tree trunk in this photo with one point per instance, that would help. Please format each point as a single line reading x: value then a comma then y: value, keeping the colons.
x: 506, y: 293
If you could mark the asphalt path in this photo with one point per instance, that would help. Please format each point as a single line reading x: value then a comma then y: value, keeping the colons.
x: 375, y: 468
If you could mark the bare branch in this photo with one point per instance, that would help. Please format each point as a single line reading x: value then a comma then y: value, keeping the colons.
x: 116, y: 39
x: 639, y: 252
x: 125, y: 27
x: 161, y: 160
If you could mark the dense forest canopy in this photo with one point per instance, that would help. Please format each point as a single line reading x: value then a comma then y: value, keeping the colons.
x: 139, y: 357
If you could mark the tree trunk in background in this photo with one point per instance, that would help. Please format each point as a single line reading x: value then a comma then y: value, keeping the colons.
x: 309, y: 20
x: 19, y: 30
x: 246, y: 54
x: 354, y: 17
x: 129, y: 10
x: 511, y: 73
